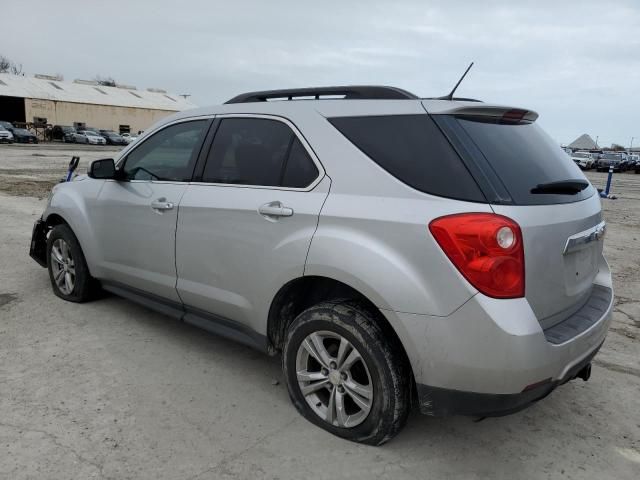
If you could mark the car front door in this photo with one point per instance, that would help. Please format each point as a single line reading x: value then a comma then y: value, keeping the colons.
x: 245, y: 226
x: 135, y: 216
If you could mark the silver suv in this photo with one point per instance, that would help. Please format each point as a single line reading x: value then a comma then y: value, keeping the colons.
x: 396, y: 251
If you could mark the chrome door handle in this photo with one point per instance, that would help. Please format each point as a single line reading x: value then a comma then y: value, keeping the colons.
x: 161, y: 204
x: 275, y: 209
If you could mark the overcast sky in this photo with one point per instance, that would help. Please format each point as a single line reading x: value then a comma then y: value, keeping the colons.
x: 577, y: 63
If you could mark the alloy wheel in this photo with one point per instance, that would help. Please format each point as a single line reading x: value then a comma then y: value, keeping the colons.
x: 63, y: 266
x: 334, y: 379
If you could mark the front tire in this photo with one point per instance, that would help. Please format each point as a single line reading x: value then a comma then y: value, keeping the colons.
x: 68, y: 271
x: 347, y: 374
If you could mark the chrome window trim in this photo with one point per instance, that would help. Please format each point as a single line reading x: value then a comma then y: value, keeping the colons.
x: 296, y: 132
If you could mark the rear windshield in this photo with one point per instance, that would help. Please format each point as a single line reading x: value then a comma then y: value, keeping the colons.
x: 521, y: 156
x: 413, y: 149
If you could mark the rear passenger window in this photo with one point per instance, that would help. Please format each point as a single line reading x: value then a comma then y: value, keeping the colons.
x: 414, y: 150
x: 258, y: 151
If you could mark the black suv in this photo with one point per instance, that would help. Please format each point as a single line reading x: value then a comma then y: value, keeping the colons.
x: 62, y: 132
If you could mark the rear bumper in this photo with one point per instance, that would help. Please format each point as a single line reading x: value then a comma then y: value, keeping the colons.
x: 440, y: 402
x: 491, y: 356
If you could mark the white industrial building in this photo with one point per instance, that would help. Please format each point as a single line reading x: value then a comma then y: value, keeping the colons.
x: 48, y: 100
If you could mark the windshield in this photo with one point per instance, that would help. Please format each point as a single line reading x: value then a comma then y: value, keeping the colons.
x: 91, y: 134
x: 520, y: 156
x: 21, y: 130
x: 611, y: 156
x: 581, y: 155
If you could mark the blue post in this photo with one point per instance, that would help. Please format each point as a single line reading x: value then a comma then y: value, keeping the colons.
x: 606, y: 190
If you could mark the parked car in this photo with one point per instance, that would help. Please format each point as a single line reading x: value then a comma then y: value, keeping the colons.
x: 610, y: 160
x: 129, y: 138
x: 583, y: 159
x: 22, y: 135
x: 87, y: 136
x: 112, y: 137
x: 627, y: 163
x: 62, y: 132
x: 5, y: 135
x: 7, y: 125
x: 633, y: 162
x: 362, y: 240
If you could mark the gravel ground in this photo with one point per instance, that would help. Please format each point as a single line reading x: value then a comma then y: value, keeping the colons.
x: 112, y: 390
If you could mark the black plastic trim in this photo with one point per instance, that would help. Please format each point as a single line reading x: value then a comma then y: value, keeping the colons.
x: 592, y: 311
x: 484, y: 175
x: 350, y: 92
x: 204, y: 150
x: 207, y: 321
x: 38, y: 247
x: 441, y: 402
x: 225, y: 328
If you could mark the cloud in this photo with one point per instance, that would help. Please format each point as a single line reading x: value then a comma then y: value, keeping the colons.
x: 576, y: 63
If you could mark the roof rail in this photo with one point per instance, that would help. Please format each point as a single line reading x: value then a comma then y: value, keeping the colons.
x: 360, y: 92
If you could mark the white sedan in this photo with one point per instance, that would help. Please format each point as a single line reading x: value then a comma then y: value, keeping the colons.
x: 129, y: 138
x: 87, y: 136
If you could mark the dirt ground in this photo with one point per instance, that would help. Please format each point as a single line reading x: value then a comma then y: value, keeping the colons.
x: 112, y: 390
x: 31, y: 170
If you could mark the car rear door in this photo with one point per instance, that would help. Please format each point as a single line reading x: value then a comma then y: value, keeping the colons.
x: 245, y: 226
x: 135, y: 217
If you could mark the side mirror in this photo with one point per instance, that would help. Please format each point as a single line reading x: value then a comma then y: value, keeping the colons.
x: 103, y: 169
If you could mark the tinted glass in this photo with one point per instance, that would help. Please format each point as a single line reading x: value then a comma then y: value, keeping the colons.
x: 300, y: 171
x: 248, y: 151
x: 412, y: 149
x: 169, y: 154
x: 524, y: 156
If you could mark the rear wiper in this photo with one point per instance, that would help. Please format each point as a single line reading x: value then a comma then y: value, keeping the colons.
x: 563, y: 187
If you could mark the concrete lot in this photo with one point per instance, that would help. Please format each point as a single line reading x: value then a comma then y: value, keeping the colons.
x: 112, y: 390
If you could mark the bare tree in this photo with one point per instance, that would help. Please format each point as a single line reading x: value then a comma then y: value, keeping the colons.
x: 7, y: 66
x: 106, y: 81
x: 16, y: 69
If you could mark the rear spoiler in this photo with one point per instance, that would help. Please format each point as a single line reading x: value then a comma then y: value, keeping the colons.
x: 436, y: 107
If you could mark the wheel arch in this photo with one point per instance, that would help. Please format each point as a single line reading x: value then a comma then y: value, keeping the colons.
x: 69, y: 212
x: 303, y: 292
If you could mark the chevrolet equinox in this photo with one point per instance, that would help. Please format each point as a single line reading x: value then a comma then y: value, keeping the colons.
x: 395, y: 251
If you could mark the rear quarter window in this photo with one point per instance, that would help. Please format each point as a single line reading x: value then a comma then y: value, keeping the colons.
x: 521, y: 155
x: 412, y: 149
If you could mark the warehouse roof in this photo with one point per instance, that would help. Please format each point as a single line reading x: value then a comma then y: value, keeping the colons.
x: 80, y: 91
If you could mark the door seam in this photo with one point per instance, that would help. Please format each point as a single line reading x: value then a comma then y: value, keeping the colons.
x: 175, y: 244
x: 304, y: 268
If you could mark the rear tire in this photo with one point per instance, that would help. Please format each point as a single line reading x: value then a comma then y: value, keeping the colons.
x: 360, y: 389
x: 68, y: 271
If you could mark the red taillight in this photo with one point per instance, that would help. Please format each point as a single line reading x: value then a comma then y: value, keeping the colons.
x: 486, y: 248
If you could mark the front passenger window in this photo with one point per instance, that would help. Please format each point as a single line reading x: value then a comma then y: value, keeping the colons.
x: 169, y: 154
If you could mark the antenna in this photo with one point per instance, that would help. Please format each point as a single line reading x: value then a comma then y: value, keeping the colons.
x: 450, y: 96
